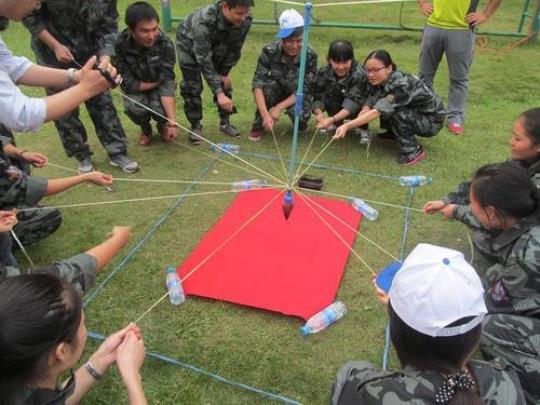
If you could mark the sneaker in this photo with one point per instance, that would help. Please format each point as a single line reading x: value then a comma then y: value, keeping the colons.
x: 409, y: 159
x: 229, y: 130
x: 255, y: 134
x: 386, y: 136
x: 124, y: 162
x: 331, y: 130
x: 455, y: 128
x: 195, y: 135
x: 364, y: 135
x: 85, y: 166
x: 144, y: 140
x: 303, y: 127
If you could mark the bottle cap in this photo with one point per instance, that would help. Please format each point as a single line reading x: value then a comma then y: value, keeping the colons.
x: 171, y: 269
x: 304, y: 330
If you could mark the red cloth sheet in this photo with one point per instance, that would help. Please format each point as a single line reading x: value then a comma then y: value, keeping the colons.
x: 293, y: 267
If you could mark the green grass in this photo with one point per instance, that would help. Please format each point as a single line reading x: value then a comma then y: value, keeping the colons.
x: 260, y: 348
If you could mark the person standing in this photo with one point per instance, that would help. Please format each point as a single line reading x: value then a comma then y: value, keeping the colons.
x: 209, y: 42
x: 450, y: 30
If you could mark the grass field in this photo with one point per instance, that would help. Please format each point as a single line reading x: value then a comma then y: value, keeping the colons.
x: 258, y: 348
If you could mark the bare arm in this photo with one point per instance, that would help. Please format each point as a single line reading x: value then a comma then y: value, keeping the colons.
x: 258, y: 96
x: 362, y: 119
x: 56, y: 186
x: 478, y: 18
x: 147, y: 86
x: 107, y: 250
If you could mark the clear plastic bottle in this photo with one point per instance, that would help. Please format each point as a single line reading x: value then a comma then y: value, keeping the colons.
x: 248, y: 184
x: 363, y: 208
x: 322, y: 319
x: 225, y: 147
x: 414, y: 181
x: 174, y: 285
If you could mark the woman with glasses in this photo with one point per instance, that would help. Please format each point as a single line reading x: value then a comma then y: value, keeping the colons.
x: 406, y: 105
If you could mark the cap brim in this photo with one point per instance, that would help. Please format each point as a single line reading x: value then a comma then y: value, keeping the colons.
x: 284, y: 32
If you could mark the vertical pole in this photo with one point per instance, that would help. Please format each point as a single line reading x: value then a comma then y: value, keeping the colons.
x: 535, y: 26
x: 300, y: 91
x: 166, y: 15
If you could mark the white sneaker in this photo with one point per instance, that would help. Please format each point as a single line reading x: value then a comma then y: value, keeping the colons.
x: 85, y: 166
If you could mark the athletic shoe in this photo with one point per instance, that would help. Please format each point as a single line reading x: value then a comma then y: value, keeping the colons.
x: 255, y: 134
x: 195, y: 137
x: 409, y: 159
x: 364, y: 135
x: 124, y: 162
x: 229, y: 130
x: 85, y: 166
x: 455, y: 128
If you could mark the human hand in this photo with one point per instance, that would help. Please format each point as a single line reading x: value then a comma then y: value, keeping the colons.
x: 426, y: 8
x: 448, y: 211
x: 225, y: 102
x: 341, y: 131
x: 104, y: 61
x: 130, y: 357
x: 226, y: 82
x: 475, y: 19
x: 8, y: 219
x: 106, y: 354
x: 63, y: 54
x: 275, y: 112
x: 382, y: 297
x: 325, y: 122
x: 121, y: 233
x: 98, y: 178
x: 268, y: 122
x: 93, y: 81
x: 319, y: 117
x: 36, y: 159
x: 169, y: 133
x: 432, y: 207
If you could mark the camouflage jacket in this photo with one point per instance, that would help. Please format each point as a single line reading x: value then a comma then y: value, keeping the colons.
x: 85, y: 27
x: 361, y: 383
x: 274, y: 67
x: 461, y: 195
x: 212, y: 41
x: 403, y: 90
x: 350, y: 91
x: 139, y: 64
x: 512, y: 284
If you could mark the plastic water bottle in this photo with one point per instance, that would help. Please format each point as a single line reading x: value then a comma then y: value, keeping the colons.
x: 225, y: 147
x: 363, y: 208
x: 174, y: 285
x: 321, y: 320
x: 414, y: 181
x: 248, y: 184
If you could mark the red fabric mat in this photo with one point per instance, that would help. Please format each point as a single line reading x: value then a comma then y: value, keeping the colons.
x: 293, y: 267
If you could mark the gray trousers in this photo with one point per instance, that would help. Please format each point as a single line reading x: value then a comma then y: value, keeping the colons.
x: 458, y: 45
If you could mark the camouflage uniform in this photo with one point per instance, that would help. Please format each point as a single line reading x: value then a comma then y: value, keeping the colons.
x: 139, y: 64
x: 79, y: 270
x: 512, y: 284
x: 207, y: 43
x: 277, y: 76
x: 18, y: 190
x: 332, y: 94
x: 86, y: 28
x: 408, y: 107
x: 358, y: 382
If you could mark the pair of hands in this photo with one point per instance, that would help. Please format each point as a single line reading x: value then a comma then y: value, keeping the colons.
x: 8, y: 219
x: 439, y: 207
x: 126, y: 349
x: 92, y: 80
x: 224, y: 101
x: 324, y: 122
x: 270, y: 119
x: 473, y: 19
x: 35, y: 159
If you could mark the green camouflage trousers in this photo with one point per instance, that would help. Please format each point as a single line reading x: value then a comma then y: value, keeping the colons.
x: 36, y: 225
x: 273, y: 94
x: 142, y: 116
x: 517, y: 340
x: 191, y: 88
x: 407, y: 123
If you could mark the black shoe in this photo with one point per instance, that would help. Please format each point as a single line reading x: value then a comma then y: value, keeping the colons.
x: 227, y: 129
x: 196, y: 134
x: 303, y: 127
x: 386, y: 136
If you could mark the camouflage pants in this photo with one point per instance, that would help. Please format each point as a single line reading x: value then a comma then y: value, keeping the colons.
x: 406, y: 123
x: 517, y: 340
x: 100, y: 108
x: 334, y: 106
x: 191, y: 88
x: 142, y: 116
x: 6, y: 248
x: 36, y: 225
x: 7, y: 134
x: 274, y: 94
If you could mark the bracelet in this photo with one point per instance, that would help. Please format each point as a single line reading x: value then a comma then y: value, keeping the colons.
x: 92, y: 370
x: 71, y: 75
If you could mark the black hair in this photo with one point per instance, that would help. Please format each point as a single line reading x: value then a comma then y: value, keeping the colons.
x: 531, y: 123
x: 383, y: 56
x: 37, y: 312
x: 340, y: 50
x: 239, y: 3
x: 140, y: 11
x: 508, y: 188
x: 445, y: 354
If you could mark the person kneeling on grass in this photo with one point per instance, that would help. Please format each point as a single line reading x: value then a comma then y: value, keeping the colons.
x: 406, y: 105
x: 43, y: 335
x: 436, y: 307
x: 340, y: 89
x: 276, y: 78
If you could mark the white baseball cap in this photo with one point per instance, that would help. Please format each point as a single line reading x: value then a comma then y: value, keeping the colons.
x: 289, y: 20
x: 436, y: 287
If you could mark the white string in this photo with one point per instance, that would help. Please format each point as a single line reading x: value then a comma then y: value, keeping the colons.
x: 279, y: 153
x: 346, y: 3
x: 69, y: 169
x: 305, y: 155
x: 219, y: 183
x: 315, y: 159
x: 23, y: 249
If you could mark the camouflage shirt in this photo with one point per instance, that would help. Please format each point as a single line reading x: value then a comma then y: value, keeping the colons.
x: 349, y: 91
x: 81, y: 25
x: 274, y: 67
x: 361, y: 383
x: 214, y: 42
x: 139, y: 64
x: 403, y: 90
x: 461, y: 195
x: 512, y: 284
